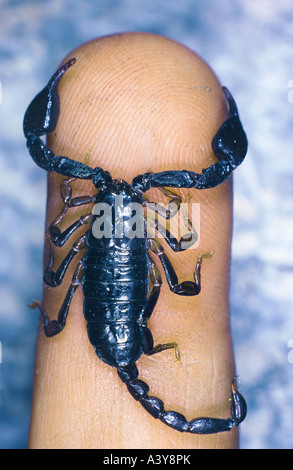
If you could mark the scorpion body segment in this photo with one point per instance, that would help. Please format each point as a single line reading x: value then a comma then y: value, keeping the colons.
x: 115, y: 283
x: 120, y: 280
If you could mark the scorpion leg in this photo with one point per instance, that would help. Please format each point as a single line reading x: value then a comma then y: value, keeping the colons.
x: 58, y: 238
x: 146, y: 335
x: 188, y: 239
x: 229, y: 146
x: 185, y: 287
x: 185, y: 242
x: 148, y: 344
x: 55, y: 235
x: 53, y: 327
x: 54, y: 279
x: 173, y: 205
x: 66, y: 195
x: 156, y: 280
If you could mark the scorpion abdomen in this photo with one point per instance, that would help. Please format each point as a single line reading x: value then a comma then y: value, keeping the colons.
x: 115, y: 287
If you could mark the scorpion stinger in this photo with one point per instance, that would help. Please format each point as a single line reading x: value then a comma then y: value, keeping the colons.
x: 113, y: 269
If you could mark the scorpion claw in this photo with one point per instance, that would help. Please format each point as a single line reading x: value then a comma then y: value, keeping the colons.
x: 229, y: 146
x: 41, y: 118
x: 42, y: 114
x: 230, y: 142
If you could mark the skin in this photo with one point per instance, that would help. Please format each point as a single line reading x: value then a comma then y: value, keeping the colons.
x: 133, y: 103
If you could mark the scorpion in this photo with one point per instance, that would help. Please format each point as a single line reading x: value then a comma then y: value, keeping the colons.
x: 116, y: 271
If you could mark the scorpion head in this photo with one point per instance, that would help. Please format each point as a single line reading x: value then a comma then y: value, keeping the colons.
x: 121, y: 188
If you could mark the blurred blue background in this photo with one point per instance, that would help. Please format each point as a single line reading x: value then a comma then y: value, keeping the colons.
x: 250, y: 47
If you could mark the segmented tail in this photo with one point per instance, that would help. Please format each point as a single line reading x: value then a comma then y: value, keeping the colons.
x: 140, y: 389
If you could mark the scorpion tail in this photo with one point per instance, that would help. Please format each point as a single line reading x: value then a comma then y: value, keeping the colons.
x: 139, y: 390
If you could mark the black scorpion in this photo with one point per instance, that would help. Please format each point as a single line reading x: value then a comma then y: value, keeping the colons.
x: 115, y: 270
